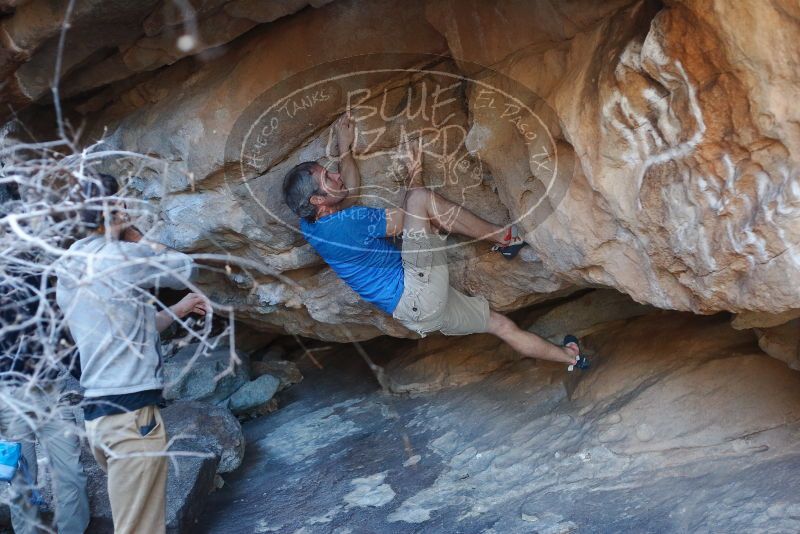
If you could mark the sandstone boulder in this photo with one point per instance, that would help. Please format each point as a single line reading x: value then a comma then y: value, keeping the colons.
x: 778, y: 333
x: 112, y: 41
x: 718, y: 385
x: 685, y: 179
x: 782, y: 342
x: 587, y: 314
x: 438, y: 362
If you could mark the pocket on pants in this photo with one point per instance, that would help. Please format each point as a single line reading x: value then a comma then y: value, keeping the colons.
x: 415, y: 311
x: 148, y: 422
x: 148, y: 428
x: 418, y: 259
x: 409, y: 309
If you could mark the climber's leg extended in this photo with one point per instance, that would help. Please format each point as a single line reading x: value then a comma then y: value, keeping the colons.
x: 456, y: 219
x: 424, y: 209
x: 528, y: 343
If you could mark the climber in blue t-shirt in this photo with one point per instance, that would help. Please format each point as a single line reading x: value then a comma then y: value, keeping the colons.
x: 411, y: 283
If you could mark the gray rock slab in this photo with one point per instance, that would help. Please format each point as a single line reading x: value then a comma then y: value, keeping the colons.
x: 253, y: 395
x: 284, y: 370
x: 209, y: 377
x: 205, y: 428
x: 636, y: 444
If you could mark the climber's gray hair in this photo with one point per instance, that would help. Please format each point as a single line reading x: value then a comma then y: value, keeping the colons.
x: 299, y: 186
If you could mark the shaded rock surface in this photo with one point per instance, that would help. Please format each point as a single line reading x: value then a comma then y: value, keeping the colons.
x: 285, y: 371
x: 203, y: 428
x: 253, y: 394
x: 782, y: 342
x: 223, y: 379
x: 586, y: 314
x: 438, y: 362
x: 196, y: 374
x: 682, y: 425
x: 113, y: 41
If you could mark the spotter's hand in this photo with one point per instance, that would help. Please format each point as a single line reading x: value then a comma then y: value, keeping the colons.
x: 192, y: 303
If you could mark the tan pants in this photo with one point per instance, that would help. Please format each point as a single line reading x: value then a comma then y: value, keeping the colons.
x: 429, y: 303
x: 137, y: 473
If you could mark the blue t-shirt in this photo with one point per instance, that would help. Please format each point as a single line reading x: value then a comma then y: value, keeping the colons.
x: 353, y: 242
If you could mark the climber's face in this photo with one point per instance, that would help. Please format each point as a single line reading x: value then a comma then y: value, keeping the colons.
x: 331, y: 184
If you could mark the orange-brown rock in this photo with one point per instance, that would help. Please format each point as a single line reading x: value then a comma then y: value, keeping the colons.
x: 659, y: 156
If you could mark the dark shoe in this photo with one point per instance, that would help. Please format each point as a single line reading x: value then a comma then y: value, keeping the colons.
x: 583, y: 362
x: 515, y: 244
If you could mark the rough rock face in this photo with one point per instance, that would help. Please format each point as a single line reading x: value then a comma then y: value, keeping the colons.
x: 111, y: 41
x: 225, y: 214
x: 686, y: 193
x: 782, y: 342
x: 531, y: 448
x: 664, y: 161
x: 203, y: 428
x: 253, y: 395
x: 438, y: 362
x: 194, y: 374
x: 286, y: 372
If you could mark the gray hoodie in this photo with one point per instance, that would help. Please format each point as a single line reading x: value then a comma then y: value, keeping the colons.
x: 102, y: 290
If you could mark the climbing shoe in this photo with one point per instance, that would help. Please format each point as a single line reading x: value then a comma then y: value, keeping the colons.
x: 583, y: 361
x: 515, y: 243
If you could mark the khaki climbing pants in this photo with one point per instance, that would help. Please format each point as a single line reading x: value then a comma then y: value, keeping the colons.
x: 136, y: 467
x: 428, y: 302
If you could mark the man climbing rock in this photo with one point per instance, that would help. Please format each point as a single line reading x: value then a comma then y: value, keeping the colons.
x: 412, y: 285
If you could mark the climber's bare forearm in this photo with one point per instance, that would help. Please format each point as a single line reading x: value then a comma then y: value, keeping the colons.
x: 351, y: 178
x: 349, y: 170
